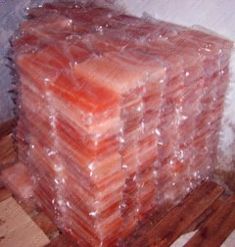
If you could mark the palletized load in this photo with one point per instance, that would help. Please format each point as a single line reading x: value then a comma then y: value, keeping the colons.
x: 118, y: 115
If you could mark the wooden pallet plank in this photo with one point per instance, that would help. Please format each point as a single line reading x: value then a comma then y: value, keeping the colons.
x: 183, y: 239
x: 8, y: 155
x: 7, y: 127
x: 181, y: 217
x: 16, y: 227
x: 4, y: 194
x: 217, y: 227
x: 211, y: 210
x: 151, y: 220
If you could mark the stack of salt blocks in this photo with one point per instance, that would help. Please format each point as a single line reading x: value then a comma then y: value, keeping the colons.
x: 118, y: 115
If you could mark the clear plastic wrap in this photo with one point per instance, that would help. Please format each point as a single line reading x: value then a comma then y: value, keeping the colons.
x: 118, y: 115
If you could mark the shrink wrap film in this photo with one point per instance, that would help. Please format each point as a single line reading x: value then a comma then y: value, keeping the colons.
x: 118, y: 115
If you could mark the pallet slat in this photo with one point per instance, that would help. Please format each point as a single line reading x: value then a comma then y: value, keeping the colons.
x: 7, y: 127
x: 181, y: 217
x: 217, y: 227
x: 201, y: 219
x: 7, y: 151
x: 4, y: 194
x: 17, y: 228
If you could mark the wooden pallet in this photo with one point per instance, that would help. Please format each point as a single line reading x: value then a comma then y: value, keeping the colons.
x: 206, y: 217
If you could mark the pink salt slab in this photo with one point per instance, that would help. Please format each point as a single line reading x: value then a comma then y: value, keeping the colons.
x: 16, y: 177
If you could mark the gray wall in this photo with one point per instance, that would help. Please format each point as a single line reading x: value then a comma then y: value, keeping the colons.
x: 11, y: 13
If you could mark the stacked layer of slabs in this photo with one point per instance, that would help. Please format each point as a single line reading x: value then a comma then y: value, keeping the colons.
x: 118, y: 115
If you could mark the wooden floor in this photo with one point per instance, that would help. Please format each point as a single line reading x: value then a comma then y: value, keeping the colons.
x: 207, y: 215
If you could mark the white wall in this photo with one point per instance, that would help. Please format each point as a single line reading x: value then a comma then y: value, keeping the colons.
x: 11, y: 14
